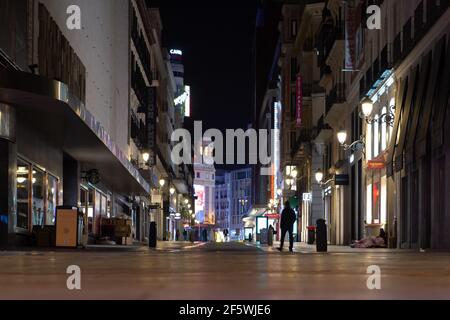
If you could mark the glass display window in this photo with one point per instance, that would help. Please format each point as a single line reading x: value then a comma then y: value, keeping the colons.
x: 23, y: 194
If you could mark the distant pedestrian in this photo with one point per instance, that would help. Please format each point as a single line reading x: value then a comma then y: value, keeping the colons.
x: 205, y: 235
x: 225, y: 235
x: 177, y: 235
x: 287, y: 225
x: 185, y: 235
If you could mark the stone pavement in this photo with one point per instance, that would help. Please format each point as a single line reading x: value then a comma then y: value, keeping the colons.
x: 210, y: 271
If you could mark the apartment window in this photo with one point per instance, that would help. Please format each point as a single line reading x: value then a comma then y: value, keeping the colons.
x: 198, y: 175
x: 294, y: 27
x: 293, y: 105
x: 293, y: 139
x: 294, y: 70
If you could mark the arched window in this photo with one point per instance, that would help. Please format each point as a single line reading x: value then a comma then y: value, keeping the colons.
x: 383, y: 131
x: 376, y: 135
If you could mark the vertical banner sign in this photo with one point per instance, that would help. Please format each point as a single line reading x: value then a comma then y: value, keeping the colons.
x: 299, y: 100
x: 151, y: 125
x: 350, y: 36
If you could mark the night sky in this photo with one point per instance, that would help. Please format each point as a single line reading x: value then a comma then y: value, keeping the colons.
x: 216, y: 38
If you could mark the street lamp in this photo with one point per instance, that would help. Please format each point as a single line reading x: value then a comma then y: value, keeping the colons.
x: 162, y: 182
x: 146, y: 157
x: 319, y: 176
x: 189, y: 206
x: 172, y: 191
x: 279, y: 192
x: 186, y: 201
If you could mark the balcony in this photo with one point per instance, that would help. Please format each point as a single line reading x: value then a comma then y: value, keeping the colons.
x: 300, y: 148
x: 334, y: 104
x: 328, y: 38
x: 336, y: 96
x: 138, y: 131
x: 322, y: 132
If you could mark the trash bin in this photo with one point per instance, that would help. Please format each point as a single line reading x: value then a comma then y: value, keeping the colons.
x: 264, y: 237
x: 321, y: 236
x: 152, y: 235
x: 270, y: 237
x: 311, y: 235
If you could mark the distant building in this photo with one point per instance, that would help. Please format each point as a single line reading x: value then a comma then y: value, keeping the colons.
x: 233, y: 199
x: 204, y: 185
x: 223, y: 201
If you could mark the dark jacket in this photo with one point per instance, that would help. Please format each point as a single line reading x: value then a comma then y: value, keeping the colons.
x: 287, y: 218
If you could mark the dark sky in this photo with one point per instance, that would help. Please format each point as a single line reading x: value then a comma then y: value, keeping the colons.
x: 216, y: 38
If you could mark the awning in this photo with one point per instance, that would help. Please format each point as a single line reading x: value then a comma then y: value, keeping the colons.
x: 249, y: 218
x: 82, y: 137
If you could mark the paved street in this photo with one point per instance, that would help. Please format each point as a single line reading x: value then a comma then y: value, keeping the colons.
x: 221, y: 271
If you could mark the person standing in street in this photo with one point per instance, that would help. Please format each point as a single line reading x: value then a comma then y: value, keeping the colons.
x: 287, y: 225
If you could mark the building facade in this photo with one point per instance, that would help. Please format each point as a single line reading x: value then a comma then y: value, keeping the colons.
x: 82, y: 117
x: 223, y: 200
x: 382, y: 93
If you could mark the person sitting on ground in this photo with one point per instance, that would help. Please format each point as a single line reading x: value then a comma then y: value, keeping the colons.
x: 372, y: 242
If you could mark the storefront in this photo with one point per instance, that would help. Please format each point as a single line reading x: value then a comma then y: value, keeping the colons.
x: 379, y: 189
x: 53, y: 152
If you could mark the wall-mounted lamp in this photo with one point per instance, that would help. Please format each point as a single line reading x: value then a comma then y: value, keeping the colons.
x: 145, y: 157
x: 358, y: 145
x: 367, y: 110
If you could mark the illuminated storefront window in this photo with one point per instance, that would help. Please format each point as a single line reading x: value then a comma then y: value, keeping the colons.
x: 369, y: 204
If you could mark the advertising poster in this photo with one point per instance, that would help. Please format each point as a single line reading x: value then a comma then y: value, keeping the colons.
x: 200, y: 203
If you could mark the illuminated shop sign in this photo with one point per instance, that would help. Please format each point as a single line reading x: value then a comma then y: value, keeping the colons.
x: 184, y: 100
x: 176, y: 52
x: 376, y: 164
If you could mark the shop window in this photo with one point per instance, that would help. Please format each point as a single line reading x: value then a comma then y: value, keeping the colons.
x: 383, y: 200
x: 38, y: 197
x: 23, y: 192
x: 52, y: 189
x: 90, y: 211
x: 376, y: 203
x: 97, y: 212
